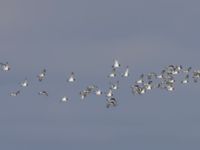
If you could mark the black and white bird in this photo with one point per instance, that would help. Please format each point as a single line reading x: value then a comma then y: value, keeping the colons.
x: 83, y: 94
x: 187, y: 70
x: 15, y: 93
x: 185, y: 80
x: 44, y: 93
x: 111, y: 102
x: 196, y: 75
x: 5, y: 67
x: 116, y: 64
x: 170, y: 87
x: 109, y: 93
x: 126, y: 73
x: 24, y: 83
x: 64, y: 99
x: 148, y: 86
x: 41, y: 75
x: 114, y: 86
x: 113, y: 73
x: 98, y: 92
x: 71, y: 78
x: 136, y: 89
x: 161, y: 75
x: 87, y: 91
x: 141, y: 80
x: 90, y: 88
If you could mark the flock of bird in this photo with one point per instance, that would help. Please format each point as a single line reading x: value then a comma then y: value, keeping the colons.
x: 164, y: 80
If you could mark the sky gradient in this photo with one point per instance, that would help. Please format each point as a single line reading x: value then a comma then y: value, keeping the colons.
x: 85, y: 36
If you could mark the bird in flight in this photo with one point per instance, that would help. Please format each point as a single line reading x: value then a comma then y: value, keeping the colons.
x: 41, y: 75
x: 24, y: 83
x: 111, y: 102
x: 64, y: 99
x: 116, y: 64
x: 5, y: 66
x: 71, y: 78
x: 44, y: 93
x: 126, y: 73
x: 15, y: 93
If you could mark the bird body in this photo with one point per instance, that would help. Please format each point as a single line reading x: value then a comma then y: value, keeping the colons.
x: 15, y: 93
x: 126, y: 73
x: 41, y: 75
x: 109, y: 93
x: 116, y: 64
x: 113, y: 73
x: 71, y: 78
x: 111, y: 102
x: 98, y: 92
x: 5, y: 67
x: 64, y: 99
x: 45, y: 93
x: 114, y: 86
x: 24, y: 83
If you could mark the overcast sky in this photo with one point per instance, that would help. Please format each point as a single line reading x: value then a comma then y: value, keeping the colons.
x: 85, y: 36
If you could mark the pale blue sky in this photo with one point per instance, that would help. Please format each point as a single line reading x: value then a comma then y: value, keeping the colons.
x: 85, y: 36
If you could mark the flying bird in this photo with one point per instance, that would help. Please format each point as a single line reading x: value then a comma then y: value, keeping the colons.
x: 116, y: 64
x: 71, y: 78
x: 111, y: 102
x: 83, y: 94
x: 24, y: 83
x: 98, y: 92
x: 126, y: 73
x: 114, y: 86
x: 44, y: 93
x: 113, y: 73
x: 5, y: 67
x: 109, y: 93
x: 64, y: 99
x: 186, y: 79
x: 15, y: 93
x: 41, y: 75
